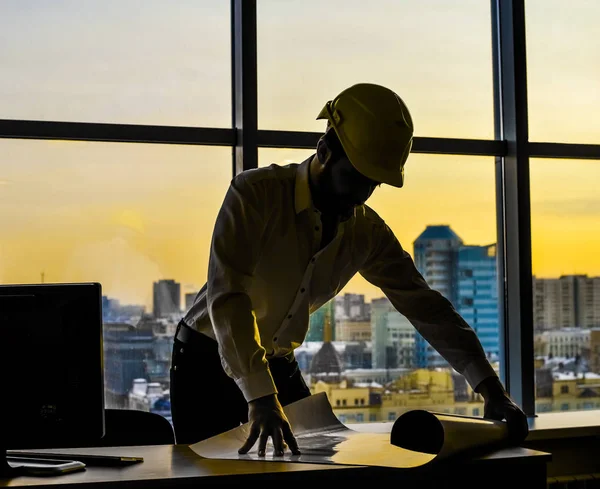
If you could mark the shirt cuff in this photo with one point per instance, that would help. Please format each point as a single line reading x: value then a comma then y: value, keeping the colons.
x: 259, y: 384
x: 477, y: 371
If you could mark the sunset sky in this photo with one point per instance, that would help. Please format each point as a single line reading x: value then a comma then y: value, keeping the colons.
x: 129, y: 214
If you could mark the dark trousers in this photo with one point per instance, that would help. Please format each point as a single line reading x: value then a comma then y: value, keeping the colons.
x: 205, y: 401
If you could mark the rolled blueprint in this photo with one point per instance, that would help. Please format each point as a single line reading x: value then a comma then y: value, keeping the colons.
x: 446, y: 435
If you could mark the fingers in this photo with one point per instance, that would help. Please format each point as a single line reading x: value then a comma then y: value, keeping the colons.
x: 290, y: 439
x: 251, y: 440
x: 262, y: 442
x: 277, y: 442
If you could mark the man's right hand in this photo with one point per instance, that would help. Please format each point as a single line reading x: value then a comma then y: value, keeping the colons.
x: 267, y: 419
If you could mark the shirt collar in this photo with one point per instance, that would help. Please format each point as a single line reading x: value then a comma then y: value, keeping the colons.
x: 302, y: 195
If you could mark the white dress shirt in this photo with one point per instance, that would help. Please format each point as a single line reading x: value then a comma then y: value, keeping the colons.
x: 267, y: 273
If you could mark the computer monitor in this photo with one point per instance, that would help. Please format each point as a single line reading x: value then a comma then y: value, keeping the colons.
x: 51, y: 359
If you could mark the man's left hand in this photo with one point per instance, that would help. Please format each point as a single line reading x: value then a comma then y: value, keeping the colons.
x: 499, y: 406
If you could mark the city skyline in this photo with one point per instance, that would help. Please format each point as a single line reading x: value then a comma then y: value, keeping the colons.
x: 129, y: 214
x: 369, y: 292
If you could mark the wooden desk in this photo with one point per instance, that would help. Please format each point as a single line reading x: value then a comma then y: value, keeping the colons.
x: 177, y: 466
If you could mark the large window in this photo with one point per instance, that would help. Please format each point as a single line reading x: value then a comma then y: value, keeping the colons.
x: 124, y: 61
x: 563, y: 70
x: 126, y: 215
x: 100, y: 202
x: 435, y: 54
x: 565, y: 211
x: 137, y: 218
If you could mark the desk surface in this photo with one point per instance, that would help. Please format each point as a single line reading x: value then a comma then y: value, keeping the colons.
x: 177, y: 465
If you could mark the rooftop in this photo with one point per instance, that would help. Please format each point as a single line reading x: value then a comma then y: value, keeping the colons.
x: 438, y: 232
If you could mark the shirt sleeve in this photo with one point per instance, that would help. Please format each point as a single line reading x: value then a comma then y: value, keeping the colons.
x: 392, y: 269
x: 234, y: 253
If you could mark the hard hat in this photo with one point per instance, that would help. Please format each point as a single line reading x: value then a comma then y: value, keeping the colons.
x: 375, y: 129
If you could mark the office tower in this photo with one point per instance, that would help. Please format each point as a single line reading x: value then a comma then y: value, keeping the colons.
x: 351, y: 306
x: 166, y: 298
x: 352, y: 329
x: 567, y: 301
x: 316, y: 326
x: 379, y: 331
x: 127, y: 350
x: 392, y: 336
x: 477, y: 294
x: 435, y: 256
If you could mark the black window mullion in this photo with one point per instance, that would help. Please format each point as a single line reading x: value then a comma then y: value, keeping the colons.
x: 244, y: 84
x: 513, y: 201
x: 121, y: 133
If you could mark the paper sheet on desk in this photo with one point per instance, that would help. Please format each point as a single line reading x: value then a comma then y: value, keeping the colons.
x: 416, y: 438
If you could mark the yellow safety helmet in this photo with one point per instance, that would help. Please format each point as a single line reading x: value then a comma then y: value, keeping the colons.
x: 375, y: 129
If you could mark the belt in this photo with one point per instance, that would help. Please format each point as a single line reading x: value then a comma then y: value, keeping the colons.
x: 185, y: 334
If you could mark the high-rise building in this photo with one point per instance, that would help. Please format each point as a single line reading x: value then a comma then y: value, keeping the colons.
x: 401, y: 339
x: 566, y: 302
x: 435, y: 256
x: 351, y: 306
x: 352, y: 329
x: 126, y: 350
x: 316, y: 325
x: 392, y: 336
x: 477, y: 294
x: 166, y: 298
x: 467, y: 276
x: 379, y: 331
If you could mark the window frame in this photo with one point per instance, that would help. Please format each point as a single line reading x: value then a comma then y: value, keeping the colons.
x: 510, y: 147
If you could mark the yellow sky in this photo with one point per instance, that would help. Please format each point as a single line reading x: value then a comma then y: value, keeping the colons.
x: 127, y: 215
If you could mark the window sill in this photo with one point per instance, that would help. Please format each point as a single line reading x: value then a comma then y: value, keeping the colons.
x: 544, y: 426
x: 570, y: 424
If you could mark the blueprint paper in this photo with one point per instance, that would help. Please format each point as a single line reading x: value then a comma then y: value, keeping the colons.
x: 415, y: 439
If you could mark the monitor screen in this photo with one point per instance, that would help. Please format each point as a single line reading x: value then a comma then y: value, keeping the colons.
x: 51, y: 362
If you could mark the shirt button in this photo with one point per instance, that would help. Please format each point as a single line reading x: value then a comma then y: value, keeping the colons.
x: 275, y: 338
x: 289, y: 316
x: 312, y: 260
x: 316, y: 228
x: 302, y: 290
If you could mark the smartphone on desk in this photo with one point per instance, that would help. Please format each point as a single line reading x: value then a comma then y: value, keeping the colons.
x: 87, y: 459
x: 44, y: 466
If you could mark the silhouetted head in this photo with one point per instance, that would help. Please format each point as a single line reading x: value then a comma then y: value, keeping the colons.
x: 337, y: 186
